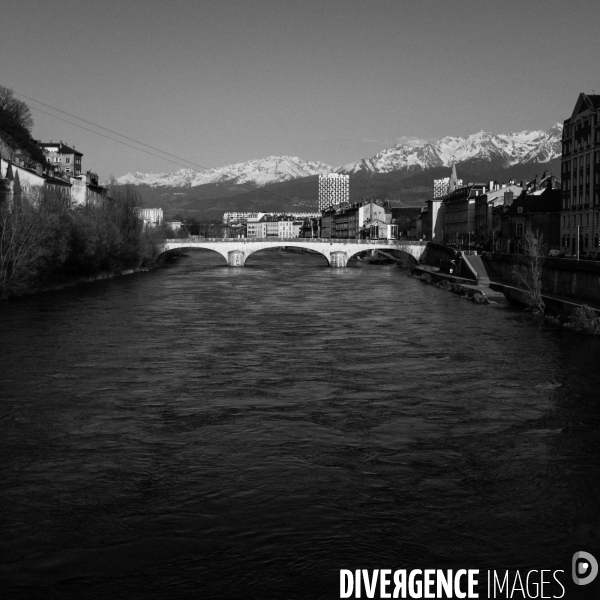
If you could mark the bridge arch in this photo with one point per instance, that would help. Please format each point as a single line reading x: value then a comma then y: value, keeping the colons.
x: 252, y: 251
x: 166, y: 252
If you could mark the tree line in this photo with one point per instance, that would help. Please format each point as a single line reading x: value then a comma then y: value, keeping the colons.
x: 16, y: 124
x: 44, y: 241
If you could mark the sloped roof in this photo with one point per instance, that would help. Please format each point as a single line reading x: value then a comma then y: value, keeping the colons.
x: 62, y: 148
x: 586, y: 102
x: 548, y: 201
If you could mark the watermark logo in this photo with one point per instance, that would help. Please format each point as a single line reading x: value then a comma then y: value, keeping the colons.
x: 585, y: 568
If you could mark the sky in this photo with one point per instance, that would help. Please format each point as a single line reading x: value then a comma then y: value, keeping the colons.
x: 217, y: 82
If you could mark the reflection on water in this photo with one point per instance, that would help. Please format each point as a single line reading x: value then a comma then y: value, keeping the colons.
x: 201, y: 431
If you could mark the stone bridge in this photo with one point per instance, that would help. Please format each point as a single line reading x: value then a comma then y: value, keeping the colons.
x: 336, y: 251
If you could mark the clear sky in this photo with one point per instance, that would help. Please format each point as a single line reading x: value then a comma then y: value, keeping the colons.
x: 224, y: 81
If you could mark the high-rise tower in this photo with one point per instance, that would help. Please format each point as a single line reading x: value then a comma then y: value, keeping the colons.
x: 333, y: 189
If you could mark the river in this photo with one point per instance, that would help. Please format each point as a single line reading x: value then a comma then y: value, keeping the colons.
x: 201, y: 431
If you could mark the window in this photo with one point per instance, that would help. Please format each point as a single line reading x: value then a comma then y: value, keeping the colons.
x: 519, y: 229
x: 68, y: 160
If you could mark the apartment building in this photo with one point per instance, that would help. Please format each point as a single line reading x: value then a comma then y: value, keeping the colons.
x: 62, y: 157
x: 361, y: 220
x: 580, y: 176
x: 459, y: 225
x: 334, y: 189
x: 152, y: 217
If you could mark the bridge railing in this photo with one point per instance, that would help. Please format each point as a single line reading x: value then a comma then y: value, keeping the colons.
x: 198, y: 239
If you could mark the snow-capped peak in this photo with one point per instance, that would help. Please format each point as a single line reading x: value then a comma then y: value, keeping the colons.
x: 504, y: 149
x: 259, y: 172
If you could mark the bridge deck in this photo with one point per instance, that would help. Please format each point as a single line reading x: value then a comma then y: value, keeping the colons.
x: 199, y: 239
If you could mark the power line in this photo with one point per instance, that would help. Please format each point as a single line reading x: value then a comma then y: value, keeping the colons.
x: 247, y: 186
x: 111, y: 131
x: 108, y: 137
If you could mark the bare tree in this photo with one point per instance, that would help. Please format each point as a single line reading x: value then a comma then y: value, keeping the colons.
x: 24, y: 233
x: 15, y: 109
x: 6, y: 97
x: 528, y: 268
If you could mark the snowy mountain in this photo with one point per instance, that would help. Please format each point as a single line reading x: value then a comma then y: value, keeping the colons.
x: 260, y: 172
x: 501, y: 150
x: 488, y: 149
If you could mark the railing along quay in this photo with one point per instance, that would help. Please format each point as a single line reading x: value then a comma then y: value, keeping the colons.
x: 198, y: 239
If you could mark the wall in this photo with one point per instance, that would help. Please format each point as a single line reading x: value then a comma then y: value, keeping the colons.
x: 564, y: 277
x: 439, y: 256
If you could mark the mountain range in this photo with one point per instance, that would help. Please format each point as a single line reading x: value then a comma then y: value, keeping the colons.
x: 405, y: 171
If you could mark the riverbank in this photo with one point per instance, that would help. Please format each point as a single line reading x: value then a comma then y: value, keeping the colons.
x: 466, y: 288
x: 46, y: 243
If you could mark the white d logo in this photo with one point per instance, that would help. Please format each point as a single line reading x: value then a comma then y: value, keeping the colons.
x: 588, y: 567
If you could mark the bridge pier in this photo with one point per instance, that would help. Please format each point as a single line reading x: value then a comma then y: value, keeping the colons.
x: 236, y: 258
x: 338, y: 259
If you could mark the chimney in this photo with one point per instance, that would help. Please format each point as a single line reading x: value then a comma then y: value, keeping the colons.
x: 492, y: 186
x: 38, y: 169
x: 508, y: 198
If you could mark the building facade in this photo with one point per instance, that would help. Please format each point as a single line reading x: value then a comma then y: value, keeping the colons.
x: 152, y: 217
x: 459, y: 225
x: 362, y: 220
x: 245, y: 217
x: 497, y: 195
x: 580, y: 177
x: 62, y: 157
x: 334, y: 189
x: 538, y: 213
x: 440, y: 186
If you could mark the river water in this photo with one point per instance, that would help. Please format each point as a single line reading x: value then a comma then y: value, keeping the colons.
x: 201, y: 431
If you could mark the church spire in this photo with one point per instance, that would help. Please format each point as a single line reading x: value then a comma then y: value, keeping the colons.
x: 453, y: 183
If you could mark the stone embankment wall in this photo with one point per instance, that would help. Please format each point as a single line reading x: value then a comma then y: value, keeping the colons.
x: 439, y: 256
x: 564, y: 277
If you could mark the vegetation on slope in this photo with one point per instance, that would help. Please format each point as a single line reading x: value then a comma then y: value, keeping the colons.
x: 45, y: 242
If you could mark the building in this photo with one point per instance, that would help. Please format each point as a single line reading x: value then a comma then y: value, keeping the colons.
x: 539, y: 213
x: 334, y: 189
x: 497, y: 195
x: 86, y: 188
x: 367, y: 219
x: 459, y: 218
x: 238, y: 217
x: 245, y: 217
x: 62, y: 157
x: 433, y: 225
x: 580, y: 176
x: 23, y: 179
x: 311, y: 227
x: 441, y: 187
x: 152, y: 217
x: 403, y: 216
x: 279, y: 226
x: 434, y: 219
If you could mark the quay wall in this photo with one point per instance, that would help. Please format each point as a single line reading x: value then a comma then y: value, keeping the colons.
x: 562, y: 276
x: 439, y: 256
